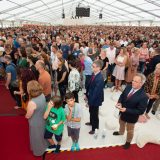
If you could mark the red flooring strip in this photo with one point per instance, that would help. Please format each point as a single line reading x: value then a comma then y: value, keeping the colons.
x: 149, y: 152
x: 7, y: 104
x: 14, y: 139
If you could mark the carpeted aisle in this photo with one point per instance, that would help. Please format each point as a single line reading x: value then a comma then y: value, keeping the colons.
x: 14, y: 139
x: 7, y: 103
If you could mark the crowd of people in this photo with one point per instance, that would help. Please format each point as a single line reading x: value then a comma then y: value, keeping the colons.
x: 38, y: 62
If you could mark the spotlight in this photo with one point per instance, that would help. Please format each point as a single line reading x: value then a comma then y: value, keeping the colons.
x: 63, y: 15
x: 100, y: 16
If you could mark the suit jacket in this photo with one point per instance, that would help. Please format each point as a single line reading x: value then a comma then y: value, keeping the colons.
x: 95, y: 93
x: 135, y: 105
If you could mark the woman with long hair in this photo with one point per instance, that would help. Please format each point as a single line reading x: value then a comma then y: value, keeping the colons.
x: 119, y: 70
x: 62, y: 77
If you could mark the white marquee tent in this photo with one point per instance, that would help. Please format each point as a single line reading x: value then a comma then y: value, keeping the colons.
x: 115, y: 12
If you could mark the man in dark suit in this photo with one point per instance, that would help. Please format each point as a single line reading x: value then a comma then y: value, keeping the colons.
x: 95, y: 95
x: 131, y: 104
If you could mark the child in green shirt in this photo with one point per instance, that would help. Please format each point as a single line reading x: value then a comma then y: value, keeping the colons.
x: 55, y: 117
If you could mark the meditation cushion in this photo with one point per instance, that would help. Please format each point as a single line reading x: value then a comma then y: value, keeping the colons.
x: 147, y: 137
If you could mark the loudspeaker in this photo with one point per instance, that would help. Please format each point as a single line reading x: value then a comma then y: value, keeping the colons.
x: 63, y: 15
x: 100, y: 16
x: 82, y: 12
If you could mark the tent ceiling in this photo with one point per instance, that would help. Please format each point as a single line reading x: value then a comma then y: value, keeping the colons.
x: 50, y: 11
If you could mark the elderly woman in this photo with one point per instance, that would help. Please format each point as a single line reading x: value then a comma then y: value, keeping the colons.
x: 35, y: 112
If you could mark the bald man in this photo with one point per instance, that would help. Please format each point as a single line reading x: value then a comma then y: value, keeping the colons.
x: 44, y: 79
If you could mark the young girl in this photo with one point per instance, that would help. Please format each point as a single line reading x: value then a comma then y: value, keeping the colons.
x: 54, y: 125
x: 119, y: 70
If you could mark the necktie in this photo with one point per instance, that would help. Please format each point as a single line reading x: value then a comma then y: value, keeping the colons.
x: 93, y: 76
x: 131, y: 93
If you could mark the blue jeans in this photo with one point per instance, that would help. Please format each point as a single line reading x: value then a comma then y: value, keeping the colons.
x: 141, y: 66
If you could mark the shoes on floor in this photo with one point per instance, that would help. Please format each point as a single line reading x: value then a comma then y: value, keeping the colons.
x: 92, y: 132
x: 73, y: 147
x: 88, y: 124
x: 57, y: 149
x: 77, y: 147
x: 153, y: 112
x: 126, y: 145
x: 116, y: 133
x: 51, y: 148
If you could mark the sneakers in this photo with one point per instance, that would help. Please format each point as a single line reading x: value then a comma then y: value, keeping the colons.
x: 153, y: 112
x: 116, y: 133
x: 57, y: 148
x: 73, y: 147
x: 88, y: 124
x: 91, y: 132
x: 51, y: 148
x: 126, y: 145
x: 77, y: 146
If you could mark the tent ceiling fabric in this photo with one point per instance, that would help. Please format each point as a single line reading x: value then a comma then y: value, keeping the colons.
x: 50, y: 11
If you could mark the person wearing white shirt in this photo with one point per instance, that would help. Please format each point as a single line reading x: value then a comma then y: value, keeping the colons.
x: 111, y: 54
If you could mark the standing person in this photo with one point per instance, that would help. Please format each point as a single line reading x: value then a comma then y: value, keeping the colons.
x: 35, y: 111
x: 152, y: 88
x: 74, y: 79
x: 73, y: 115
x: 54, y: 63
x: 131, y: 104
x: 26, y: 75
x: 104, y: 68
x: 95, y: 95
x: 55, y: 116
x: 22, y: 61
x: 153, y: 62
x: 65, y: 49
x: 119, y: 70
x: 87, y: 68
x: 31, y: 61
x: 143, y: 57
x: 62, y: 77
x: 44, y: 79
x: 111, y: 55
x: 133, y: 65
x: 12, y: 80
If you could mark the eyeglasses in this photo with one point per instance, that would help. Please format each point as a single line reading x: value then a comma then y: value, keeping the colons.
x: 136, y: 81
